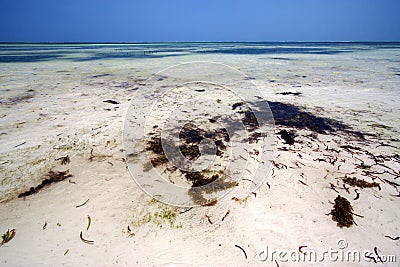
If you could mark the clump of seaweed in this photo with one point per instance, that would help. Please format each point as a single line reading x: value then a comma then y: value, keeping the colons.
x: 236, y: 105
x: 19, y: 98
x: 155, y: 145
x: 198, y: 178
x: 197, y: 196
x: 361, y: 183
x: 241, y: 201
x: 5, y: 238
x: 53, y: 177
x: 190, y: 137
x: 219, y: 184
x: 163, y: 214
x: 250, y: 120
x: 159, y: 160
x: 202, y: 184
x: 192, y: 134
x: 342, y: 212
x: 254, y: 137
x: 190, y: 152
x: 288, y: 136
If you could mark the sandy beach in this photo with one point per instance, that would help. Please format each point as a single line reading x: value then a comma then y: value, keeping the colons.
x: 66, y: 116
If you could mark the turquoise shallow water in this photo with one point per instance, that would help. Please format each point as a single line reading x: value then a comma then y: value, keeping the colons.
x: 86, y: 52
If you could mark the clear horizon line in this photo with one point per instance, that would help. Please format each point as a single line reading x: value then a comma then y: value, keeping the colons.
x: 158, y: 42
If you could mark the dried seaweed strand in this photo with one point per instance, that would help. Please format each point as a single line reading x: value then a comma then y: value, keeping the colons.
x: 393, y: 238
x: 303, y: 182
x: 89, y: 222
x: 300, y: 249
x: 358, y: 194
x: 226, y: 214
x: 377, y: 255
x: 82, y: 204
x: 130, y: 232
x: 90, y: 242
x: 239, y: 247
x: 209, y: 219
x: 20, y: 144
x: 185, y: 210
x: 8, y: 236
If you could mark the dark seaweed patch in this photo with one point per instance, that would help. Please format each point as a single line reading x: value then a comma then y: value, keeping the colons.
x: 290, y: 93
x: 155, y: 146
x: 111, y: 101
x: 205, y: 185
x: 190, y: 152
x: 342, y: 212
x: 190, y: 137
x: 288, y: 136
x: 236, y: 105
x: 361, y: 183
x: 249, y: 120
x: 295, y: 117
x: 53, y: 177
x: 102, y: 75
x: 19, y: 98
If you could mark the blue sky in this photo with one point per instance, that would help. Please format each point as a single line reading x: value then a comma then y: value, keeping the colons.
x: 198, y: 20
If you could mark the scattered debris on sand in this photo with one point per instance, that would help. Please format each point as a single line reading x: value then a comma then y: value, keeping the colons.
x: 5, y: 238
x: 289, y: 93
